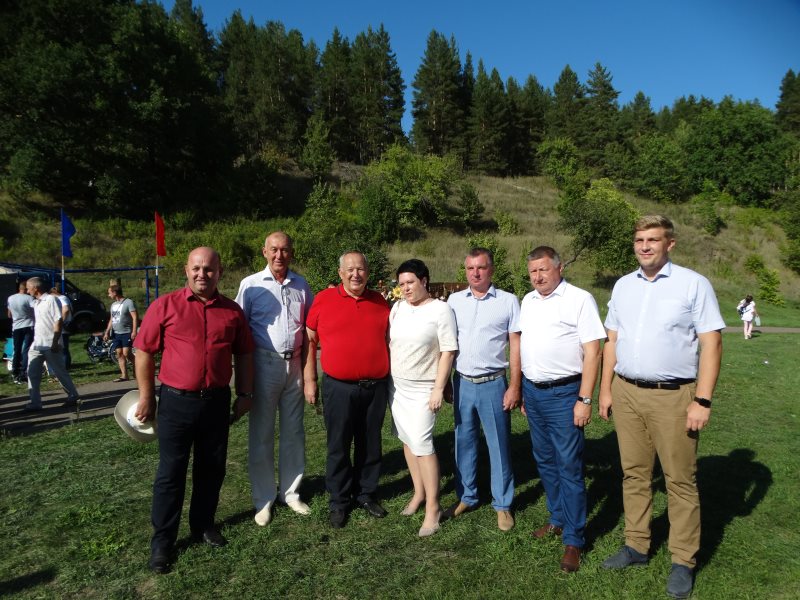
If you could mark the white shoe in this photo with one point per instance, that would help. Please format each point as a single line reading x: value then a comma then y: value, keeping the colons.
x: 264, y: 516
x: 300, y: 507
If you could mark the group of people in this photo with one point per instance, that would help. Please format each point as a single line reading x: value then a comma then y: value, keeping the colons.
x: 659, y: 351
x: 38, y: 317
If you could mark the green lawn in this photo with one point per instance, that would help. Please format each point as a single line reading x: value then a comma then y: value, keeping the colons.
x: 75, y: 515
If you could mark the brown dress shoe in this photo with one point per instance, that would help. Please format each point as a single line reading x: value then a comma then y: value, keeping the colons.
x: 571, y: 560
x: 457, y: 510
x: 548, y: 529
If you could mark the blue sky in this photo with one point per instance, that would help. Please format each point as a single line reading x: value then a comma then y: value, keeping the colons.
x: 666, y: 49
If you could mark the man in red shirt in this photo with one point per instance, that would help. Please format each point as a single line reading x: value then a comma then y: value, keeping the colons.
x: 198, y: 331
x: 350, y: 323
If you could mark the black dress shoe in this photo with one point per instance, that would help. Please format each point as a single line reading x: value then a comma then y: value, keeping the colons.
x: 212, y: 537
x: 338, y: 517
x: 159, y: 561
x: 374, y: 509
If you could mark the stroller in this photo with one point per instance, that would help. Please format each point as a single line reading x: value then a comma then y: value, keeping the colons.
x: 99, y: 350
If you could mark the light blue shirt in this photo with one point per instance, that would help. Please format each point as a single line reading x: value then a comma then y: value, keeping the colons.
x: 657, y: 322
x: 21, y: 308
x: 483, y: 327
x: 276, y: 312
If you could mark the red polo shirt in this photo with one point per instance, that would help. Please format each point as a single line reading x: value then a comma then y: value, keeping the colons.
x: 197, y: 339
x: 352, y: 333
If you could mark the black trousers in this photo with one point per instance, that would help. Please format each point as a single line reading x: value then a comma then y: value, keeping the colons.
x: 186, y: 422
x: 353, y: 418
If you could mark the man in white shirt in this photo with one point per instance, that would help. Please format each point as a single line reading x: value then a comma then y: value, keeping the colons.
x: 560, y: 359
x: 276, y: 302
x: 486, y: 319
x: 660, y: 387
x: 66, y: 315
x: 46, y: 346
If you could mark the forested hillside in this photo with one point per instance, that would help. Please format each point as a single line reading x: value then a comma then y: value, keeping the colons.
x: 114, y: 108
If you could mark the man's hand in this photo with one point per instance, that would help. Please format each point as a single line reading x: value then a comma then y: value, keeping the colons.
x: 511, y: 399
x: 582, y: 414
x: 310, y: 389
x: 146, y: 409
x: 604, y: 403
x: 697, y: 416
x: 241, y: 406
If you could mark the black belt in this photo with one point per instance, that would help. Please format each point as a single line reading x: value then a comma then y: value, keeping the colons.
x: 667, y: 384
x: 367, y: 384
x: 546, y: 385
x: 203, y: 394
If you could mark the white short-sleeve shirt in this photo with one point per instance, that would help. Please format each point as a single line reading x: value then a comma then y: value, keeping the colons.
x: 554, y: 329
x: 417, y: 336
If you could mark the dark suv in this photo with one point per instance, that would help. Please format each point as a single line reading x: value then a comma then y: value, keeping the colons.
x: 88, y: 313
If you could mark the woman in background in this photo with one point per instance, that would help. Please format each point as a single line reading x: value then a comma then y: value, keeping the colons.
x: 423, y: 341
x: 747, y: 309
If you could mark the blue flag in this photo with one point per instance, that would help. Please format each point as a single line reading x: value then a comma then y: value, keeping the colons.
x: 67, y: 231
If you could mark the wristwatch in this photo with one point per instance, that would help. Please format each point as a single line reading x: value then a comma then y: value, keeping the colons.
x: 704, y: 402
x: 585, y: 399
x: 248, y: 395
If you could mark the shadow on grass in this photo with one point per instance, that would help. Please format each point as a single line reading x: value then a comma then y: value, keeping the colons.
x: 30, y: 580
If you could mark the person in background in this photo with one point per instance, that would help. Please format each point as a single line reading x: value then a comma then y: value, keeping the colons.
x: 422, y: 342
x: 20, y: 311
x: 66, y: 312
x: 121, y: 329
x: 748, y: 313
x: 46, y: 346
x: 199, y: 333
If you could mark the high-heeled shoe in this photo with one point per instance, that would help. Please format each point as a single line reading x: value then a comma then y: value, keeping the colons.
x: 410, y: 510
x: 428, y: 531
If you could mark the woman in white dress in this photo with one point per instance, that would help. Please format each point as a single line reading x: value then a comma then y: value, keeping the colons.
x: 423, y: 342
x: 747, y: 309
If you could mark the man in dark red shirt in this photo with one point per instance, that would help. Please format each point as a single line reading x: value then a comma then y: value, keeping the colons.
x: 198, y: 331
x: 350, y: 323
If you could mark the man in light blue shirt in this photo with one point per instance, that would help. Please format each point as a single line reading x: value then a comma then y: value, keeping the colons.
x: 486, y: 319
x: 20, y: 311
x: 276, y: 302
x: 660, y: 367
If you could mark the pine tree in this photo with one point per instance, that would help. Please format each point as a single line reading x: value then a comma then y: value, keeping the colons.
x: 437, y: 110
x: 488, y: 123
x: 566, y: 112
x: 377, y: 94
x: 788, y: 106
x: 601, y: 113
x: 637, y: 118
x: 333, y: 90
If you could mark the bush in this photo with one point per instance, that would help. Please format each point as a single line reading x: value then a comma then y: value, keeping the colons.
x: 506, y: 223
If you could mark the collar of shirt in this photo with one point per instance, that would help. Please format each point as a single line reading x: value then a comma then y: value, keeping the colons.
x: 665, y: 271
x: 492, y: 291
x: 190, y: 296
x: 559, y: 291
x: 267, y: 274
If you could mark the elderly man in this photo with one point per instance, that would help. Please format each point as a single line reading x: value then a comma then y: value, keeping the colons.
x: 486, y: 319
x: 560, y: 356
x: 46, y: 346
x: 198, y: 331
x: 20, y: 311
x: 659, y: 316
x: 122, y: 328
x: 350, y: 322
x: 276, y: 302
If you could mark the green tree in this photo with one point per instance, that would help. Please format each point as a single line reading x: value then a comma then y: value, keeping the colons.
x: 659, y: 169
x: 333, y: 91
x: 317, y: 154
x: 565, y: 118
x: 788, y: 106
x: 601, y: 224
x: 377, y: 94
x: 488, y: 124
x: 437, y: 110
x: 601, y: 115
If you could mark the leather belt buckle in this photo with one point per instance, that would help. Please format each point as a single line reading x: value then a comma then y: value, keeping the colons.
x: 288, y: 354
x: 206, y: 394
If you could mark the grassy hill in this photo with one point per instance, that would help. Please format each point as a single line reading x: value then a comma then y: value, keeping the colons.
x: 30, y: 234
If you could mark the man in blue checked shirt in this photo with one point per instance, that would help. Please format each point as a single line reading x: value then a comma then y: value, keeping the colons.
x: 486, y: 319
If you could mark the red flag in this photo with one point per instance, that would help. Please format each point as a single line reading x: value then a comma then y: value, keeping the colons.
x: 161, y: 249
